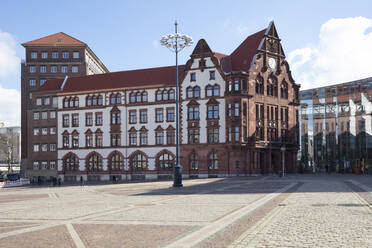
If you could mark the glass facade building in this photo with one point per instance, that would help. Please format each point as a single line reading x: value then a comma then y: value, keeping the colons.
x: 335, y: 126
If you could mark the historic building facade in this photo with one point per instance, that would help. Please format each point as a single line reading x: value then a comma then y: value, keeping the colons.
x: 54, y: 56
x: 336, y: 126
x: 237, y: 112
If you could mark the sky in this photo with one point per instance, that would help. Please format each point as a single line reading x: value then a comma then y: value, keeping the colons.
x: 325, y: 42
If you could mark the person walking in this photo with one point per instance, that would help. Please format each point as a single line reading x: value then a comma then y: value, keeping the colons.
x: 81, y: 181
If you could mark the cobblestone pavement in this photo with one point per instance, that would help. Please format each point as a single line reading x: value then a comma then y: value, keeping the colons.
x: 295, y: 211
x: 324, y: 212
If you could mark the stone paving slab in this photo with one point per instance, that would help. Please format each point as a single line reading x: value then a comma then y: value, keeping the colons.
x: 11, y: 226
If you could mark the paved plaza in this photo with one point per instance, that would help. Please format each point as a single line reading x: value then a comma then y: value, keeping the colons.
x: 267, y: 211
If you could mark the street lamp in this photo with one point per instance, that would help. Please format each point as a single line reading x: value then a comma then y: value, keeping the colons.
x: 283, y: 158
x: 10, y: 169
x: 176, y: 42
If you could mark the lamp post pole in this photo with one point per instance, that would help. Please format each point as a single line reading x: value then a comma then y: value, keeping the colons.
x: 283, y: 159
x: 176, y: 42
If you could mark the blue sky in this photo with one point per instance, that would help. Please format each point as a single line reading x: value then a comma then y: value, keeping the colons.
x: 125, y: 34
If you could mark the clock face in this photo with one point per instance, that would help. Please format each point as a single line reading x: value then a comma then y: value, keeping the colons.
x: 272, y: 63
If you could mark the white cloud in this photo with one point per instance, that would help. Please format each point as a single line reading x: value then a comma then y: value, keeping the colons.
x: 10, y: 106
x: 344, y: 53
x: 9, y: 62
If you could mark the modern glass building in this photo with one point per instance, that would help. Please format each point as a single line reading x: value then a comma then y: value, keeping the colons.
x: 335, y: 126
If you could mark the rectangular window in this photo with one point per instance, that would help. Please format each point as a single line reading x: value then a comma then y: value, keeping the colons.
x: 66, y: 141
x: 236, y: 85
x: 88, y: 119
x: 159, y: 115
x: 115, y: 140
x: 42, y: 81
x: 55, y: 101
x: 66, y: 120
x: 52, y: 114
x: 75, y: 55
x: 52, y: 147
x: 236, y: 134
x: 213, y: 135
x: 75, y: 120
x: 43, y: 68
x: 159, y: 137
x: 171, y: 137
x: 236, y: 112
x: 44, y: 165
x: 75, y: 69
x: 44, y: 115
x: 193, y: 135
x: 64, y: 69
x: 193, y: 113
x: 192, y: 76
x: 36, y: 147
x: 99, y: 140
x: 133, y: 139
x: 33, y: 55
x: 170, y: 114
x: 32, y: 82
x: 143, y: 116
x: 35, y: 165
x: 229, y: 110
x: 55, y: 55
x: 30, y: 95
x: 36, y: 131
x: 38, y: 101
x: 212, y: 112
x: 44, y: 131
x: 99, y: 119
x: 75, y: 141
x: 36, y: 115
x: 44, y: 55
x: 32, y: 69
x: 53, y: 69
x: 65, y: 55
x: 47, y: 100
x: 132, y: 116
x: 143, y: 138
x: 88, y: 140
x: 44, y: 147
x: 115, y: 118
x: 52, y: 130
x: 52, y: 165
x: 212, y: 75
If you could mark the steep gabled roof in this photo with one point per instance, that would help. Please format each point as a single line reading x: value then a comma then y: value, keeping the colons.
x: 151, y: 77
x: 240, y: 59
x: 55, y: 39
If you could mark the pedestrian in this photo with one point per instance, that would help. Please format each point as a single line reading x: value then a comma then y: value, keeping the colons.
x: 81, y: 181
x: 59, y: 181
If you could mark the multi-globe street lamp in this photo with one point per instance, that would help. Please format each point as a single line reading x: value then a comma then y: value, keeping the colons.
x: 176, y: 42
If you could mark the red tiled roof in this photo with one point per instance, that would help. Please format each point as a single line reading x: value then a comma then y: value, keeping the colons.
x: 55, y: 39
x: 219, y: 55
x: 240, y: 59
x: 162, y: 76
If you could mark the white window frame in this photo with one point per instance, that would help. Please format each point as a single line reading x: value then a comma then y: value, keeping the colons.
x: 38, y: 101
x: 36, y: 131
x: 47, y: 100
x: 33, y: 55
x: 64, y: 69
x: 65, y: 55
x: 52, y: 147
x: 35, y: 165
x: 53, y: 69
x: 52, y: 130
x: 44, y: 147
x: 36, y: 115
x: 44, y: 115
x: 52, y: 114
x: 36, y: 148
x: 44, y: 131
x: 44, y: 55
x: 32, y: 69
x: 74, y: 69
x: 75, y: 55
x: 54, y: 55
x: 43, y: 69
x: 32, y: 82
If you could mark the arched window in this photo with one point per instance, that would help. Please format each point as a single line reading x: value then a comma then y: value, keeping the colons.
x: 284, y: 90
x: 71, y: 162
x: 116, y: 162
x: 112, y: 99
x: 190, y: 93
x: 259, y: 85
x: 65, y: 102
x: 213, y: 161
x: 138, y: 97
x: 94, y: 100
x: 209, y: 90
x: 89, y: 101
x: 94, y: 162
x: 132, y: 97
x: 216, y: 90
x: 158, y: 95
x: 139, y: 162
x: 171, y: 94
x: 118, y: 98
x: 144, y: 96
x: 194, y: 161
x: 76, y: 101
x: 165, y: 161
x: 272, y: 86
x: 196, y: 92
x: 100, y: 100
x: 71, y: 102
